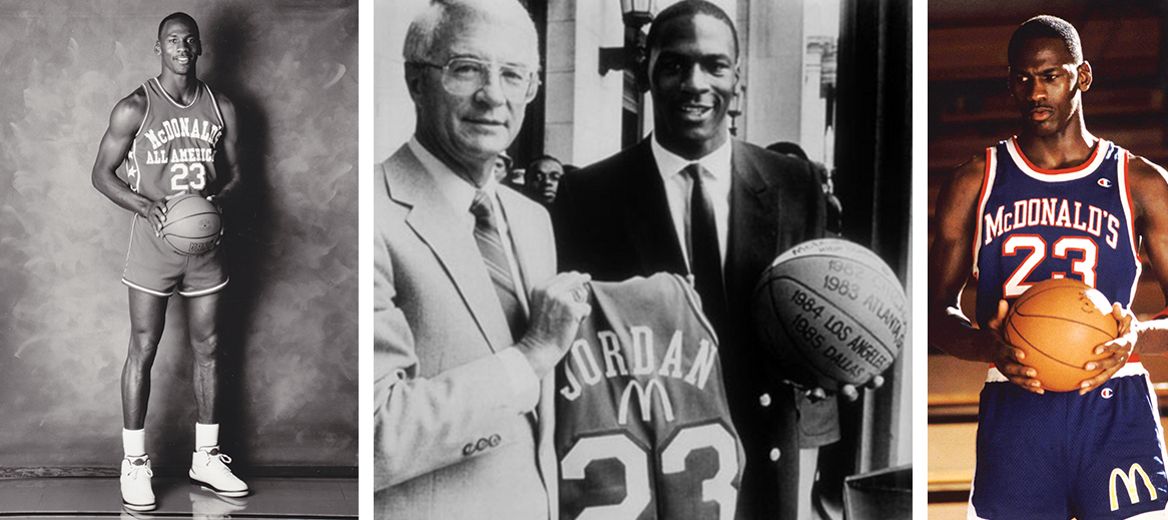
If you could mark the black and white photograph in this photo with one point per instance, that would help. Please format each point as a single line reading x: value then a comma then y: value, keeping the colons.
x: 642, y: 259
x: 178, y: 259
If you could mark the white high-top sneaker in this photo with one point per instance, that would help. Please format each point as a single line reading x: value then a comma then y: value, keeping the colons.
x: 209, y: 470
x: 137, y: 495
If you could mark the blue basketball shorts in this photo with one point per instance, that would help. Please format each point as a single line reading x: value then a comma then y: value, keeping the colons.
x: 1062, y: 455
x: 155, y: 268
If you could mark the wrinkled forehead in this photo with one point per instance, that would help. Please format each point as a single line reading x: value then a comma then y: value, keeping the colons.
x: 488, y: 37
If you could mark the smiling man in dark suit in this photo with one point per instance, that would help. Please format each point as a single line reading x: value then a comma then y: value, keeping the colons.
x: 691, y: 200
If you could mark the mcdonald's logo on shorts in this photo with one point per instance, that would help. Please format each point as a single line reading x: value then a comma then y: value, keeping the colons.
x: 1130, y: 484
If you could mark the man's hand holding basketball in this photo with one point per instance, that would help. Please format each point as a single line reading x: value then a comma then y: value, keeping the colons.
x: 1009, y: 359
x: 154, y: 212
x: 1120, y: 349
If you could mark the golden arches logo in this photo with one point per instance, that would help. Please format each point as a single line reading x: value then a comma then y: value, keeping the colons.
x: 1129, y: 481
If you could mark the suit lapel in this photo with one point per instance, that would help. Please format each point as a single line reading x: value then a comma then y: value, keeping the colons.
x: 648, y: 218
x: 453, y: 244
x: 755, y: 215
x: 525, y: 236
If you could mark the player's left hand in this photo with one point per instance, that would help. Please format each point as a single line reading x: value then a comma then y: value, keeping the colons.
x: 1120, y: 349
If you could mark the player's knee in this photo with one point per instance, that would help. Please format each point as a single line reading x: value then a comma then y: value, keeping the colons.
x: 206, y: 346
x: 143, y: 344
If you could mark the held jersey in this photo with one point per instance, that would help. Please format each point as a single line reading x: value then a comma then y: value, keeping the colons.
x: 1036, y: 224
x: 643, y: 430
x: 174, y: 149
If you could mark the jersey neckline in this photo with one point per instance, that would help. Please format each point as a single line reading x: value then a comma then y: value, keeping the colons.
x: 1057, y: 175
x: 165, y: 94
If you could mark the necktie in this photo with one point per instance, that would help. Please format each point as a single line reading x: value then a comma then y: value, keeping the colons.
x: 705, y: 259
x: 490, y: 244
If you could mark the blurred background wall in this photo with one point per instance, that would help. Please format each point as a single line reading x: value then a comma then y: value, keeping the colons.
x: 289, y: 328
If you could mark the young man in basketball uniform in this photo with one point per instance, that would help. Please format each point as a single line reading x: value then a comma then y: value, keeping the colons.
x: 1055, y: 201
x: 168, y: 133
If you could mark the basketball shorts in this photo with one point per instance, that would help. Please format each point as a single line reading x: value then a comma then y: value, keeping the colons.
x: 154, y: 268
x: 1062, y: 455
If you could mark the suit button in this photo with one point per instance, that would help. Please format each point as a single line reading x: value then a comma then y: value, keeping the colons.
x: 482, y: 444
x: 468, y: 449
x: 775, y: 453
x: 764, y: 400
x: 494, y: 440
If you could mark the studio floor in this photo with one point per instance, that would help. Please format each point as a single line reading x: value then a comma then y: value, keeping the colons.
x: 276, y: 498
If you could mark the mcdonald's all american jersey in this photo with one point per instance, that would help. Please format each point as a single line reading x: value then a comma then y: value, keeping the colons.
x: 172, y: 153
x: 174, y: 150
x: 643, y: 430
x: 1061, y: 455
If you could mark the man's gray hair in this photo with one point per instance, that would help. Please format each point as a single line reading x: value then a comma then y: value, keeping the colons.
x: 437, y: 19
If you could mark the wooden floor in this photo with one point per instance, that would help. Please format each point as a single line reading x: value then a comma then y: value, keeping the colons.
x: 276, y: 498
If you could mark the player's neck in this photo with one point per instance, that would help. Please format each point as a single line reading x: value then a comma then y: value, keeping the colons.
x: 1065, y: 148
x: 180, y: 87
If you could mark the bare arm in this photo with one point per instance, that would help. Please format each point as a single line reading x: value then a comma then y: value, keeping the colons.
x: 1149, y: 192
x: 950, y: 261
x: 119, y: 136
x: 232, y: 179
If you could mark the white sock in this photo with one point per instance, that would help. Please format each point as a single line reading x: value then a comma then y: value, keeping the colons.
x: 206, y: 435
x: 134, y: 442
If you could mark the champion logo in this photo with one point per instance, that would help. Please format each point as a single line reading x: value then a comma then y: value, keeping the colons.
x: 1104, y: 182
x: 1107, y: 393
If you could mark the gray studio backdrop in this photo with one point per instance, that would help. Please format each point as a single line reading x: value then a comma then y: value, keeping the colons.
x: 289, y: 369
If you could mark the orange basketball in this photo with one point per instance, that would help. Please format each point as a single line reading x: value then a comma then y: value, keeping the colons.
x: 192, y: 224
x: 1058, y: 323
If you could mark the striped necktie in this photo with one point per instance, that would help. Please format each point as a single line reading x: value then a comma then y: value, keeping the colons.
x: 491, y: 246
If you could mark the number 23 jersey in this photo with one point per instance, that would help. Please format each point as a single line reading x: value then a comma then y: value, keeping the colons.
x: 1036, y: 224
x: 174, y: 149
x: 643, y: 430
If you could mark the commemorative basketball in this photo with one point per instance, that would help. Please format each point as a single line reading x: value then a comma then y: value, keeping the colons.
x: 192, y: 224
x: 831, y: 312
x: 1058, y: 323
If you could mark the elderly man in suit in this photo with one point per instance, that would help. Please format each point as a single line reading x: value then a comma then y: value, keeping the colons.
x: 469, y: 315
x: 691, y: 200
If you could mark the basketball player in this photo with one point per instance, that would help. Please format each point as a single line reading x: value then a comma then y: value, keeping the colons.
x: 1055, y: 201
x: 643, y: 428
x: 169, y: 132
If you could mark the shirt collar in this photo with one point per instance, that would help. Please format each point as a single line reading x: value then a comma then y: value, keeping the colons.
x: 459, y: 192
x: 669, y: 164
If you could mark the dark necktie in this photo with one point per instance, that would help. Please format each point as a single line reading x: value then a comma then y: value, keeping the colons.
x: 705, y: 259
x: 490, y: 244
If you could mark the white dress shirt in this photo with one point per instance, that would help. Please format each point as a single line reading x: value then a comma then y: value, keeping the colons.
x: 679, y: 186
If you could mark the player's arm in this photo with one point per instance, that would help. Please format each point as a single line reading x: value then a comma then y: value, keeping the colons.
x: 232, y: 180
x: 950, y: 262
x: 119, y: 136
x: 1148, y: 186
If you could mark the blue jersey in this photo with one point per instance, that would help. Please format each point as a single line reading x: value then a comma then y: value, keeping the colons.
x: 1036, y: 224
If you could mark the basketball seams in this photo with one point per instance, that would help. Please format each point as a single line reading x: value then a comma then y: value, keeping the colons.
x: 884, y: 276
x: 1019, y: 335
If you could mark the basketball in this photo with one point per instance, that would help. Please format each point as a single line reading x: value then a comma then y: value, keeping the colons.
x: 1058, y: 323
x: 192, y: 224
x: 831, y: 312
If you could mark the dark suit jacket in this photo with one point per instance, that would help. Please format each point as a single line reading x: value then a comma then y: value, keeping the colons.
x: 612, y: 220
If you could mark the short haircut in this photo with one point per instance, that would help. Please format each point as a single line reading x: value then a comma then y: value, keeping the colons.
x: 178, y: 16
x: 541, y: 158
x: 430, y: 26
x: 1046, y: 26
x: 688, y: 9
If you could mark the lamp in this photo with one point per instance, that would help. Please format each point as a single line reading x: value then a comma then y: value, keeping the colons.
x: 635, y: 13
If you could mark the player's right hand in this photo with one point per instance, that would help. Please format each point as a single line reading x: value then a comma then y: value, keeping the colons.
x: 155, y: 213
x: 557, y: 307
x: 1009, y: 359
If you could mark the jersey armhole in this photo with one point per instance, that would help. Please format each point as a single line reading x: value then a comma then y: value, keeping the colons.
x: 146, y: 113
x: 982, y: 198
x: 215, y: 103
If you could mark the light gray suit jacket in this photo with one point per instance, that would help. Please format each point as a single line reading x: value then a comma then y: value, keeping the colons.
x: 451, y: 437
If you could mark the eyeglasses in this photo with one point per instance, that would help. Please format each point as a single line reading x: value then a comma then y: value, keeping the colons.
x: 465, y: 76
